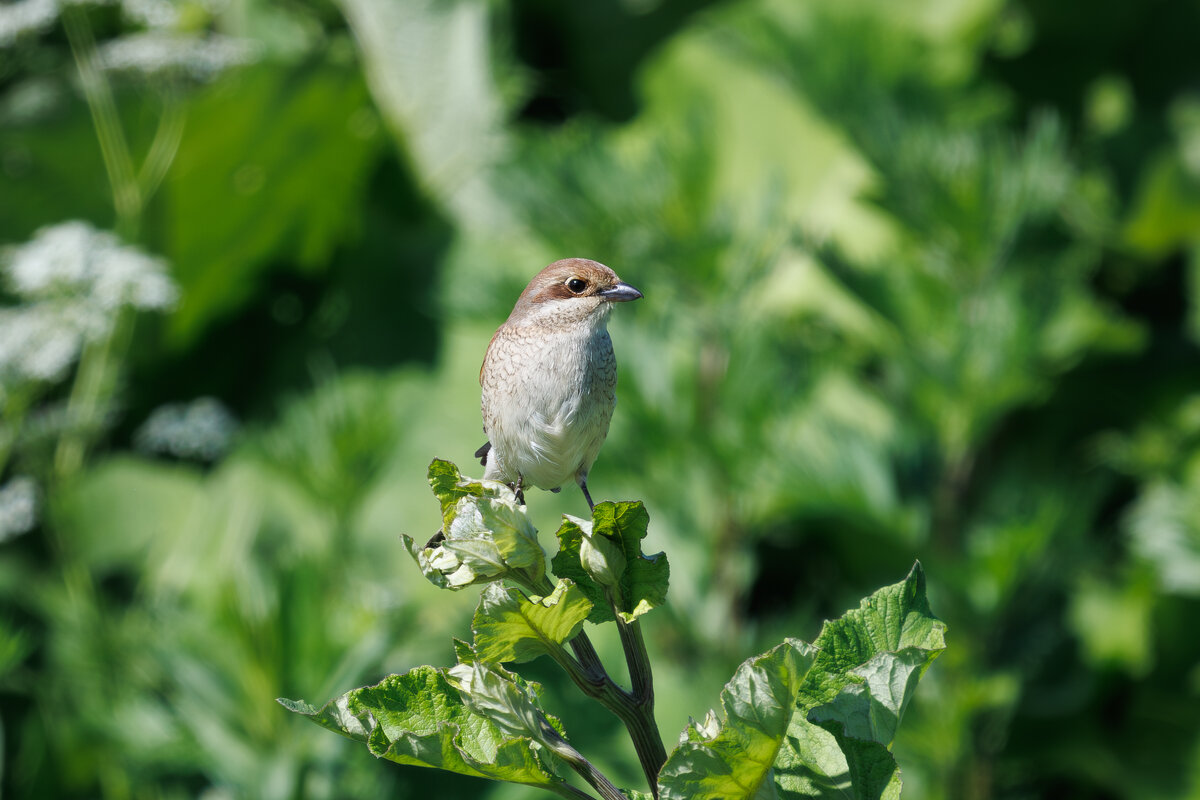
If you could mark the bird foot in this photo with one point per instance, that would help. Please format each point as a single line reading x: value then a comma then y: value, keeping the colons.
x: 518, y: 487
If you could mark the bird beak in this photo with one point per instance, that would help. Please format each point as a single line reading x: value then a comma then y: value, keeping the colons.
x: 619, y: 292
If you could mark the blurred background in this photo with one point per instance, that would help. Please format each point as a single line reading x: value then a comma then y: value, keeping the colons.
x: 922, y: 281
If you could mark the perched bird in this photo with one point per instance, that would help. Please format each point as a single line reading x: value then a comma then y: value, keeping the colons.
x: 549, y: 378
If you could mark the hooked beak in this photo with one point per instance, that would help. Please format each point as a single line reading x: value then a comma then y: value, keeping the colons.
x: 619, y: 292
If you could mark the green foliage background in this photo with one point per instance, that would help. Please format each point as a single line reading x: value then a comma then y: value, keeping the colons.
x: 920, y: 280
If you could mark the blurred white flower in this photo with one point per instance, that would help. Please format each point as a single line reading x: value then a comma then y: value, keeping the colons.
x: 18, y: 507
x: 152, y: 13
x: 55, y: 259
x: 167, y: 14
x: 124, y: 276
x: 75, y: 259
x: 201, y: 430
x: 1163, y: 528
x: 154, y: 52
x: 29, y: 100
x: 40, y: 342
x: 25, y: 16
x: 72, y: 280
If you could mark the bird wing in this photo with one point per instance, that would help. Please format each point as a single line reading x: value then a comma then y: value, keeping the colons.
x: 487, y: 353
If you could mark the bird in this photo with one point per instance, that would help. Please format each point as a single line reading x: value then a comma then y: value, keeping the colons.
x: 549, y: 379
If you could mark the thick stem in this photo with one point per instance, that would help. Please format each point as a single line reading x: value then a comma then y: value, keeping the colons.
x: 589, y: 675
x: 642, y: 726
x: 647, y: 742
x: 586, y: 769
x: 636, y: 709
x: 570, y: 792
x: 638, y: 660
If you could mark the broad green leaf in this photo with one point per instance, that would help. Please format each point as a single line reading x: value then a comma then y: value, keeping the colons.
x: 271, y: 170
x: 736, y: 758
x: 643, y: 583
x: 486, y: 535
x: 467, y: 657
x: 815, y: 721
x: 510, y: 626
x: 436, y: 83
x: 421, y: 719
x: 506, y: 701
x: 449, y: 486
x: 866, y: 671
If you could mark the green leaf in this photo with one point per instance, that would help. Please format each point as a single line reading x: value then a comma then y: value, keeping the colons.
x: 736, y: 758
x: 505, y: 700
x: 642, y: 585
x: 867, y: 668
x: 268, y: 172
x: 443, y: 99
x: 486, y: 534
x: 510, y: 626
x: 815, y: 721
x: 420, y: 718
x: 449, y: 486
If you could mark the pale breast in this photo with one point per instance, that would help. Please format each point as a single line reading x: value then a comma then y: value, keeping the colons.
x: 547, y: 402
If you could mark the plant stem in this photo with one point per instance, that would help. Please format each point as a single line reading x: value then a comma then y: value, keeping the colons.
x: 127, y: 196
x: 637, y: 715
x: 162, y: 151
x: 91, y: 393
x: 638, y: 660
x: 643, y: 727
x: 586, y: 769
x: 570, y: 792
x: 636, y: 709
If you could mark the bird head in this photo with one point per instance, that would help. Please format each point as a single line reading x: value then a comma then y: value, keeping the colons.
x: 571, y: 290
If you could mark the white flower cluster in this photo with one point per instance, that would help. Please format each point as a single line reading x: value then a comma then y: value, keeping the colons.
x: 40, y: 342
x: 72, y: 280
x: 74, y: 258
x: 157, y: 52
x: 25, y: 16
x: 200, y: 430
x: 18, y: 507
x: 167, y: 43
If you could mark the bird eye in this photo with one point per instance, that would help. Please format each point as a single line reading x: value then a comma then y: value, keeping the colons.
x: 576, y: 285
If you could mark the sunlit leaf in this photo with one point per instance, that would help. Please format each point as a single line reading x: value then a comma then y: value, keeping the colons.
x: 815, y: 721
x: 510, y: 626
x: 738, y: 759
x: 486, y: 534
x: 865, y: 673
x: 643, y: 582
x: 420, y: 719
